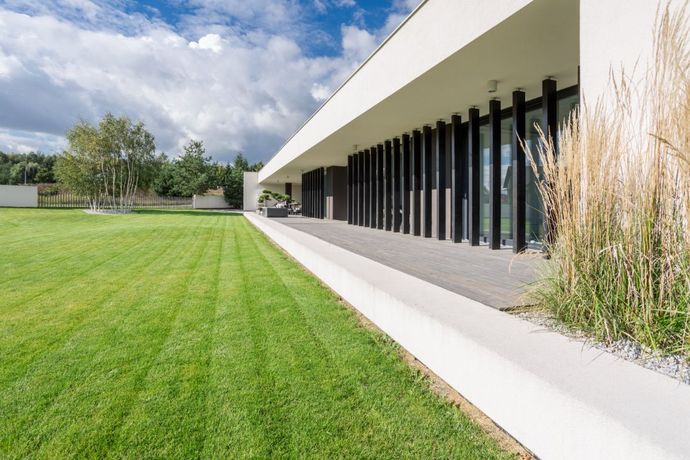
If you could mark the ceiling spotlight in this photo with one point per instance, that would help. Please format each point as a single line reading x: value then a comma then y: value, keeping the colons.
x: 492, y: 86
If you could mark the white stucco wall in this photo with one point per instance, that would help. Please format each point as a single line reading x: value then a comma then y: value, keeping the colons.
x: 615, y: 35
x: 252, y: 189
x: 209, y: 202
x: 18, y: 196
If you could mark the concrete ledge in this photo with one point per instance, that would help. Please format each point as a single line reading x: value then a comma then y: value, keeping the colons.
x: 558, y: 398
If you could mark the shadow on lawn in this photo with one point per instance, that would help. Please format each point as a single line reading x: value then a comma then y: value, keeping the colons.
x: 177, y: 212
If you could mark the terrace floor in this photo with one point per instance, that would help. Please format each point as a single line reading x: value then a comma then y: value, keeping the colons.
x: 495, y: 278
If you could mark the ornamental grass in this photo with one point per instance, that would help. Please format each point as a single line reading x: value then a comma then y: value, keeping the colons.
x: 616, y: 185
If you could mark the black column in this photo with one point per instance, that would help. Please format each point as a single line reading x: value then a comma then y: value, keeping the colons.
x: 518, y: 179
x: 474, y: 197
x: 427, y: 144
x: 355, y: 189
x: 549, y: 124
x: 302, y: 197
x: 405, y: 183
x: 306, y: 194
x: 372, y: 188
x: 416, y: 183
x: 397, y: 198
x: 388, y: 186
x: 311, y: 193
x: 360, y: 198
x: 441, y: 180
x: 367, y: 187
x: 379, y: 187
x: 322, y: 193
x: 495, y: 174
x: 456, y: 162
x: 349, y: 189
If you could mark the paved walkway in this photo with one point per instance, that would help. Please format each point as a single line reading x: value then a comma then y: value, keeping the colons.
x: 495, y: 278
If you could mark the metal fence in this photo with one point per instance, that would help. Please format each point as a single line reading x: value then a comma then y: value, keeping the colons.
x: 63, y: 199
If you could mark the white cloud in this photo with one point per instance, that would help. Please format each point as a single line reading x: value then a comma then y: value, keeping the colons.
x: 211, y: 42
x: 237, y: 89
x: 320, y: 92
x: 357, y: 43
x: 24, y: 142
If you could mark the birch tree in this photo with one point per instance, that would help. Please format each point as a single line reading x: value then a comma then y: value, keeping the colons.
x: 108, y: 163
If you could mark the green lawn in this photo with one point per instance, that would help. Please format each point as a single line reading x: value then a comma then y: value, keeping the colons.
x: 173, y: 334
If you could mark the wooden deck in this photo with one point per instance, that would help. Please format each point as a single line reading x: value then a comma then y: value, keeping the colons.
x: 495, y: 278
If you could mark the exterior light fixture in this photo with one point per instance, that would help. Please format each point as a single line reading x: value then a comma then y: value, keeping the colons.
x: 492, y: 86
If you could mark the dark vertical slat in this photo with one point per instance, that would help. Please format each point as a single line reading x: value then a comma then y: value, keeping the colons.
x: 495, y: 174
x: 355, y: 186
x: 474, y: 197
x: 427, y: 144
x: 416, y: 182
x: 367, y: 187
x: 305, y: 194
x: 360, y: 198
x: 396, y: 185
x: 405, y: 183
x: 456, y: 162
x: 372, y: 188
x: 379, y: 187
x: 388, y: 189
x: 311, y: 193
x: 550, y: 127
x: 441, y: 180
x: 308, y: 194
x: 322, y: 194
x: 349, y: 189
x: 518, y: 169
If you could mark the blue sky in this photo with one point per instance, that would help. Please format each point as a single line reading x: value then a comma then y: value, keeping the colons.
x: 241, y: 75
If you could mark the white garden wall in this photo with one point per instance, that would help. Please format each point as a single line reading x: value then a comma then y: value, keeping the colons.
x: 18, y: 196
x: 209, y: 202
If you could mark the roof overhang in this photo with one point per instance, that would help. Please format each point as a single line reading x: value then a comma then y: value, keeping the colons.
x: 437, y: 63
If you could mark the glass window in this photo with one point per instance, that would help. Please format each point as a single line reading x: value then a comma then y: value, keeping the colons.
x: 535, y: 210
x: 534, y: 218
x: 565, y: 106
x: 507, y: 179
x: 484, y: 182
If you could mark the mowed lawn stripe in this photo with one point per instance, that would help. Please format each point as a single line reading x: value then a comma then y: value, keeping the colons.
x: 136, y: 339
x: 379, y: 408
x: 84, y: 349
x: 201, y: 340
x: 28, y: 334
x: 230, y: 424
x: 43, y: 254
x: 170, y: 411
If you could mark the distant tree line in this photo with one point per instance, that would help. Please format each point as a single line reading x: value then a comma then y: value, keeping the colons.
x: 194, y: 173
x: 112, y: 160
x: 26, y: 168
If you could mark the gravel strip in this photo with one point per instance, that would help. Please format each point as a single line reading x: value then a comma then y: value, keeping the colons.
x: 674, y: 366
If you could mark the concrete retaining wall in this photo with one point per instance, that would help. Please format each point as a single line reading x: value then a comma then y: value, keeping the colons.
x: 559, y: 398
x: 18, y: 196
x: 209, y: 202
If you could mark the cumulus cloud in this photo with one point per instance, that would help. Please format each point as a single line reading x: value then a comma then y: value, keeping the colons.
x: 237, y: 89
x: 211, y: 42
